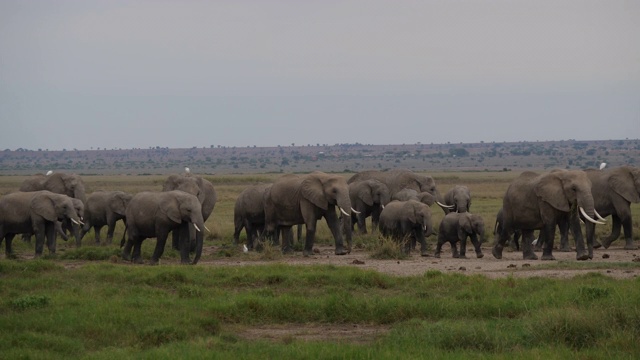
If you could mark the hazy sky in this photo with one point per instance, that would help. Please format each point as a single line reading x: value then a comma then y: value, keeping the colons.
x: 111, y: 74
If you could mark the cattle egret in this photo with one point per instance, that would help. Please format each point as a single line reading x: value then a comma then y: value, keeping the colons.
x: 187, y: 170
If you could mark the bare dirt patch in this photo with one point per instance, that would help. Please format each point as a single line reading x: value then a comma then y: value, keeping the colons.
x: 351, y: 333
x: 511, y: 264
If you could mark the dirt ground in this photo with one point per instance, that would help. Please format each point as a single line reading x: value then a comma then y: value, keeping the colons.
x: 511, y: 263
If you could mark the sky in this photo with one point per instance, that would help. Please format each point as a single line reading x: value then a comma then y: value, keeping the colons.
x: 90, y: 74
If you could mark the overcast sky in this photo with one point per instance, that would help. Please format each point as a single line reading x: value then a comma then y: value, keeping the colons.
x: 122, y: 74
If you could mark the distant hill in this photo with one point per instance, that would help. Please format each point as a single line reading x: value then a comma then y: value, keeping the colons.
x: 569, y: 154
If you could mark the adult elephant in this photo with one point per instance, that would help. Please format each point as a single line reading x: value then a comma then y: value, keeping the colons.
x: 399, y: 179
x: 613, y: 192
x: 248, y: 213
x: 105, y: 208
x: 34, y: 213
x: 71, y: 185
x: 458, y: 199
x: 407, y: 221
x: 294, y: 200
x: 457, y: 227
x: 534, y: 201
x: 205, y: 192
x: 410, y: 194
x: 155, y: 214
x: 368, y: 198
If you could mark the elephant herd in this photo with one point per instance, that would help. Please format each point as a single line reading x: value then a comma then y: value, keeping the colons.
x: 44, y: 205
x: 398, y: 202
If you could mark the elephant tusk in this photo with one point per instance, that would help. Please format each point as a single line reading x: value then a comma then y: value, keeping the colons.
x: 197, y: 228
x: 355, y: 211
x: 77, y: 222
x: 206, y: 228
x: 584, y: 213
x: 382, y: 206
x: 598, y: 216
x: 344, y: 212
x: 534, y: 242
x: 445, y: 206
x: 424, y: 228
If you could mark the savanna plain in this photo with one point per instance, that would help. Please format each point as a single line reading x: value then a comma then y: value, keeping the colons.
x: 374, y: 303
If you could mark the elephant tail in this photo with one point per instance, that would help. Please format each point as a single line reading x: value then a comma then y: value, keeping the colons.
x: 124, y: 234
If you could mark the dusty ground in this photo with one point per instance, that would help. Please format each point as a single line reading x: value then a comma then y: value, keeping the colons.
x: 511, y: 263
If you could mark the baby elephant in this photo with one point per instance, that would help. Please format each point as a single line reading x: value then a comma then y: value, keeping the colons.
x: 456, y: 227
x: 407, y: 221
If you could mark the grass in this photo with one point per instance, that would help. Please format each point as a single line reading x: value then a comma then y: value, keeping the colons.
x: 108, y: 309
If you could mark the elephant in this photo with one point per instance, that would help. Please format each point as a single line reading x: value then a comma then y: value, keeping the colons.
x: 155, y: 214
x: 105, y: 208
x: 614, y: 190
x: 199, y: 187
x: 458, y: 226
x: 399, y: 179
x: 36, y: 213
x: 542, y: 201
x: 71, y: 185
x: 407, y: 221
x: 248, y: 213
x: 458, y: 199
x: 368, y: 197
x: 304, y: 199
x: 410, y: 194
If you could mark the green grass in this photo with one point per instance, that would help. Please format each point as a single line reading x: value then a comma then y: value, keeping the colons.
x: 103, y: 310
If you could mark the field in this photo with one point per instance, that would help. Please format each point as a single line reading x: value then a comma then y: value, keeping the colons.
x: 88, y: 303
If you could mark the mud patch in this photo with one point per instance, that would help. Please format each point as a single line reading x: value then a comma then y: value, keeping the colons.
x: 350, y: 333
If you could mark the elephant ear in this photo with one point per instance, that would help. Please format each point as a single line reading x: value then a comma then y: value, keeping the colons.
x: 171, y: 209
x: 43, y: 205
x: 311, y: 189
x: 549, y: 188
x: 412, y: 212
x: 364, y: 194
x: 117, y: 204
x: 622, y: 182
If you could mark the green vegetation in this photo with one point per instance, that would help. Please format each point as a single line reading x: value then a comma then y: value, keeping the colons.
x: 107, y: 310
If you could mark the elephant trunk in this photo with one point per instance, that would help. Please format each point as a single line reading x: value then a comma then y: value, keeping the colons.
x: 587, y: 208
x: 462, y: 206
x: 344, y: 203
x: 79, y: 194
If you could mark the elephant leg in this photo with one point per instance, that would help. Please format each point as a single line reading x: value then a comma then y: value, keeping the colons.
x: 39, y: 230
x: 527, y: 250
x: 287, y: 238
x: 185, y: 243
x: 50, y: 235
x: 310, y: 238
x: 96, y: 231
x: 175, y: 240
x: 576, y: 229
x: 136, y: 255
x: 627, y: 225
x: 8, y: 249
x: 362, y: 222
x: 161, y: 240
x: 564, y: 236
x: 454, y: 248
x: 463, y: 248
x: 111, y: 227
x: 423, y: 243
x: 616, y: 225
x: 477, y: 246
x: 441, y: 241
x: 546, y: 236
x: 590, y: 233
x: 334, y: 224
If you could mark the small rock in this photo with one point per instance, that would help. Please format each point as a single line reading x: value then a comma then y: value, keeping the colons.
x: 605, y: 256
x: 526, y: 265
x: 462, y: 268
x: 398, y: 261
x: 512, y: 266
x: 358, y: 262
x: 608, y: 271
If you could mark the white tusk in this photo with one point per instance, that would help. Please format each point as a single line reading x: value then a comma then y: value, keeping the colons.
x: 197, y: 228
x: 354, y: 211
x: 206, y: 228
x: 344, y: 212
x: 534, y: 242
x: 598, y: 216
x: 77, y: 222
x: 424, y: 227
x: 584, y: 213
x: 382, y: 206
x: 446, y: 206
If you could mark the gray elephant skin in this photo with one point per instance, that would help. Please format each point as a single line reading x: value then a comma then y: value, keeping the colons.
x: 205, y: 192
x: 410, y: 194
x: 368, y: 197
x: 457, y: 227
x: 406, y: 221
x: 458, y: 199
x: 105, y: 208
x: 304, y: 199
x: 614, y: 190
x: 534, y: 201
x: 156, y: 214
x: 399, y: 179
x: 71, y: 185
x: 248, y: 213
x: 34, y: 213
